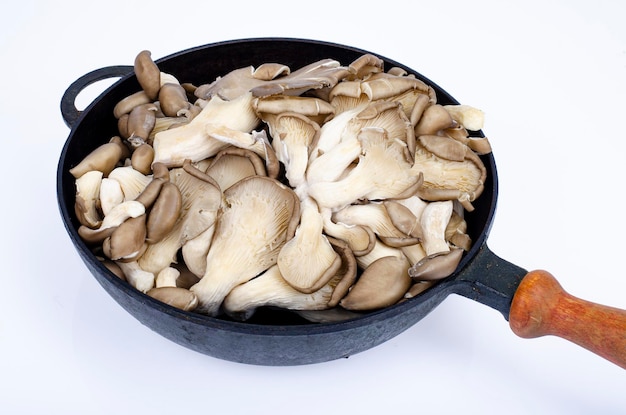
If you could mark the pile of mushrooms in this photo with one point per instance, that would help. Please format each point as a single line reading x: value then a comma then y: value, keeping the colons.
x: 329, y: 190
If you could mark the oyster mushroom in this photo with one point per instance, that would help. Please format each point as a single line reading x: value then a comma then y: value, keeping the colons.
x: 451, y: 170
x: 466, y: 115
x: 293, y: 134
x: 195, y: 250
x: 197, y: 140
x: 141, y: 121
x: 148, y: 74
x: 118, y: 215
x: 86, y: 204
x: 110, y: 195
x: 374, y: 215
x: 434, y: 221
x: 175, y: 296
x: 127, y: 241
x: 313, y: 108
x: 382, y: 172
x: 347, y: 273
x: 436, y: 266
x: 434, y: 119
x: 137, y: 277
x: 271, y: 289
x: 383, y: 283
x: 142, y: 158
x: 199, y: 209
x: 131, y: 181
x: 173, y: 100
x: 240, y: 81
x: 104, y: 159
x: 167, y: 277
x: 233, y: 164
x: 259, y: 215
x: 403, y: 219
x: 308, y: 260
x: 360, y: 239
x: 164, y: 213
x: 126, y: 105
x: 324, y: 73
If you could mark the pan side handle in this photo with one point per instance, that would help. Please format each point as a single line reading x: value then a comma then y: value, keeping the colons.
x: 541, y: 307
x: 70, y: 113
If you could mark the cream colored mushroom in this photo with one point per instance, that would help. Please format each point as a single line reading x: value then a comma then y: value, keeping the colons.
x: 200, y: 204
x: 86, y: 203
x: 193, y: 140
x: 308, y: 261
x: 271, y: 289
x: 195, y: 251
x: 434, y: 221
x: 110, y: 195
x: 137, y: 277
x: 233, y: 164
x: 132, y: 182
x: 360, y: 239
x: 382, y: 172
x: 374, y: 215
x: 240, y: 81
x: 451, y: 170
x: 167, y: 277
x: 259, y: 215
x: 175, y: 296
x: 469, y: 117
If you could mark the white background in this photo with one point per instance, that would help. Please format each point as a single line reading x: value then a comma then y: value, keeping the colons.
x: 551, y: 78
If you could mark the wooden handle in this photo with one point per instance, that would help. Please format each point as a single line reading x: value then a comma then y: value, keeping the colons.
x: 540, y: 307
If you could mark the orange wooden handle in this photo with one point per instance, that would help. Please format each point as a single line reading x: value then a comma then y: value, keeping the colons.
x: 540, y: 307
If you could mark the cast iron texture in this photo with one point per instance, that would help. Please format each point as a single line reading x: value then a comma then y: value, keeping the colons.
x: 273, y: 338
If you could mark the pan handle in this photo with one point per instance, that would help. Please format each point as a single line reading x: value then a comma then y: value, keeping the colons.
x: 541, y: 307
x: 70, y: 113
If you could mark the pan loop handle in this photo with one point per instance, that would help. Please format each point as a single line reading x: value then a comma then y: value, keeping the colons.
x: 70, y: 113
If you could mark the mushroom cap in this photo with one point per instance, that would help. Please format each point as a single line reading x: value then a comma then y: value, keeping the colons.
x: 87, y: 198
x: 148, y: 74
x: 382, y: 172
x: 382, y: 284
x: 259, y: 215
x: 307, y: 261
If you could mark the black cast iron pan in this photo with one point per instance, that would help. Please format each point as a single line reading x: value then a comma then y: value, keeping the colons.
x: 534, y: 303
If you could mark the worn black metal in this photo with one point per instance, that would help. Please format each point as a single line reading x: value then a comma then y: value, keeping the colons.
x: 273, y: 338
x: 70, y: 113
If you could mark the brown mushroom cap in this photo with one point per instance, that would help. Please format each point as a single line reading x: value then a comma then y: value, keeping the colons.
x: 141, y: 121
x: 177, y: 297
x: 173, y: 99
x: 142, y: 157
x: 148, y: 74
x: 164, y: 213
x: 434, y: 119
x: 436, y: 266
x: 104, y: 159
x: 127, y: 240
x: 383, y: 283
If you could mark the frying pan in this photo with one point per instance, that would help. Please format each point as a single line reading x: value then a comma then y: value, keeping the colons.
x: 533, y: 302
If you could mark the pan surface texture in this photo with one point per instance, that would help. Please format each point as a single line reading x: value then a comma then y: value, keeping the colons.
x: 271, y: 338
